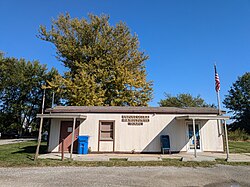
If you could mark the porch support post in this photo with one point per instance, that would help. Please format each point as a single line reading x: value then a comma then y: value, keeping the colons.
x: 194, y: 138
x: 40, y: 129
x: 73, y: 137
x: 39, y: 138
x: 225, y: 126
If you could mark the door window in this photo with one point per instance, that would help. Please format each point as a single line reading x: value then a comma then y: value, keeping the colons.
x: 191, y: 136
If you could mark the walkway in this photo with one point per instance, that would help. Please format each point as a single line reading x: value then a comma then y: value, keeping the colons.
x: 205, y: 156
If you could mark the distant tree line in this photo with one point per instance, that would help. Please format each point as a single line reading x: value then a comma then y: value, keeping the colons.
x: 183, y: 100
x: 238, y: 102
x: 21, y: 93
x: 104, y: 68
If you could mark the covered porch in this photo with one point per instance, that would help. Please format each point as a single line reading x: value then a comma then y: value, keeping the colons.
x: 68, y: 134
x: 193, y: 119
x: 176, y: 121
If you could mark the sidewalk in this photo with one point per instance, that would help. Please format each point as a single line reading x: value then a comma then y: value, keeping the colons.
x: 11, y: 141
x: 204, y: 156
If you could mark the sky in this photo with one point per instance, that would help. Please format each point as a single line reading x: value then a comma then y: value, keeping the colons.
x: 183, y: 38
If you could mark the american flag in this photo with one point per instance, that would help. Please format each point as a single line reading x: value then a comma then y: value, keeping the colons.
x: 217, y: 80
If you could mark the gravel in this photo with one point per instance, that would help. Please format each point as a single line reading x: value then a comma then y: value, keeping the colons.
x: 219, y: 175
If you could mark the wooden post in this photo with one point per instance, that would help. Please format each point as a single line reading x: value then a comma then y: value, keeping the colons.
x: 194, y: 138
x: 225, y: 125
x: 39, y: 138
x: 62, y: 149
x: 40, y: 129
x: 73, y: 138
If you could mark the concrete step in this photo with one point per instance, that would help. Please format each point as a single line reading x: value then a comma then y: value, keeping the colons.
x: 198, y: 159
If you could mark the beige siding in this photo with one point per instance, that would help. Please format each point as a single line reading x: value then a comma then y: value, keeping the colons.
x: 54, y: 135
x: 106, y: 146
x: 211, y: 138
x: 145, y: 138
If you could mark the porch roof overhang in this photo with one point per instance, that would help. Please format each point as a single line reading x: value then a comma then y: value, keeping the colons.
x: 62, y: 116
x: 202, y: 117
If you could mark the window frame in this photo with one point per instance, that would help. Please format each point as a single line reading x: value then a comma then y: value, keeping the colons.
x: 110, y: 131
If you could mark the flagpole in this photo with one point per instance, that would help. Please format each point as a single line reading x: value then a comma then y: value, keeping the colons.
x: 218, y: 100
x: 217, y: 88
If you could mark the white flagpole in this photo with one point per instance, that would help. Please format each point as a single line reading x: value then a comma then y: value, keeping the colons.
x: 217, y: 90
x: 219, y: 110
x: 218, y: 100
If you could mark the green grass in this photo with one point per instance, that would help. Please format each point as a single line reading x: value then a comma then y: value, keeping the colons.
x: 239, y: 147
x: 22, y: 154
x: 19, y: 154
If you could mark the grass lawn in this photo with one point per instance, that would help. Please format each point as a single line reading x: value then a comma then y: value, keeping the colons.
x: 22, y: 154
x: 239, y: 147
x: 19, y: 154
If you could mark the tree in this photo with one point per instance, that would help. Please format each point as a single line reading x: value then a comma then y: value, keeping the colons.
x: 183, y: 100
x: 104, y: 64
x: 238, y: 102
x: 20, y: 91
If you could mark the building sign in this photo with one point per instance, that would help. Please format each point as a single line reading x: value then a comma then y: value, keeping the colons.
x: 135, y: 120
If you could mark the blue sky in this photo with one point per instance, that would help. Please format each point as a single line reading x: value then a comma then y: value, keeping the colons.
x: 183, y: 38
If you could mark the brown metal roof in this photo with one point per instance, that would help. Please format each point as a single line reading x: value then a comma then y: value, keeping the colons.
x: 125, y: 109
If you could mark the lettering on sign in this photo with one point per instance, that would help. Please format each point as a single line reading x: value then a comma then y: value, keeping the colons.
x: 135, y: 120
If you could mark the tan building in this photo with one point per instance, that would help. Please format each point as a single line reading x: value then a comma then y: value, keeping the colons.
x: 136, y: 129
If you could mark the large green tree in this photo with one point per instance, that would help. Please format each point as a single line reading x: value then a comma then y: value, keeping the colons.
x: 20, y: 91
x: 183, y: 100
x: 104, y: 63
x: 238, y: 102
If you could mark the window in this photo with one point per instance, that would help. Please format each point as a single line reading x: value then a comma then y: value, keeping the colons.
x: 106, y: 130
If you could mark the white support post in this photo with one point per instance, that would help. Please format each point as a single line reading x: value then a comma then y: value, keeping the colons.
x: 73, y: 138
x: 194, y: 138
x: 225, y: 125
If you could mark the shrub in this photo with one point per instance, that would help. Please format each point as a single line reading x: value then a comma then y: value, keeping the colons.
x: 238, y: 135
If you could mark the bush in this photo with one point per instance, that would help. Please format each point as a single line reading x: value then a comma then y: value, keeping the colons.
x: 238, y: 135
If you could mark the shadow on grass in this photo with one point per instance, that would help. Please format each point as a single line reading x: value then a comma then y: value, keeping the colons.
x: 30, y: 150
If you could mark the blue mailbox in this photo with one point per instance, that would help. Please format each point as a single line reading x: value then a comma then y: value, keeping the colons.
x: 83, y: 144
